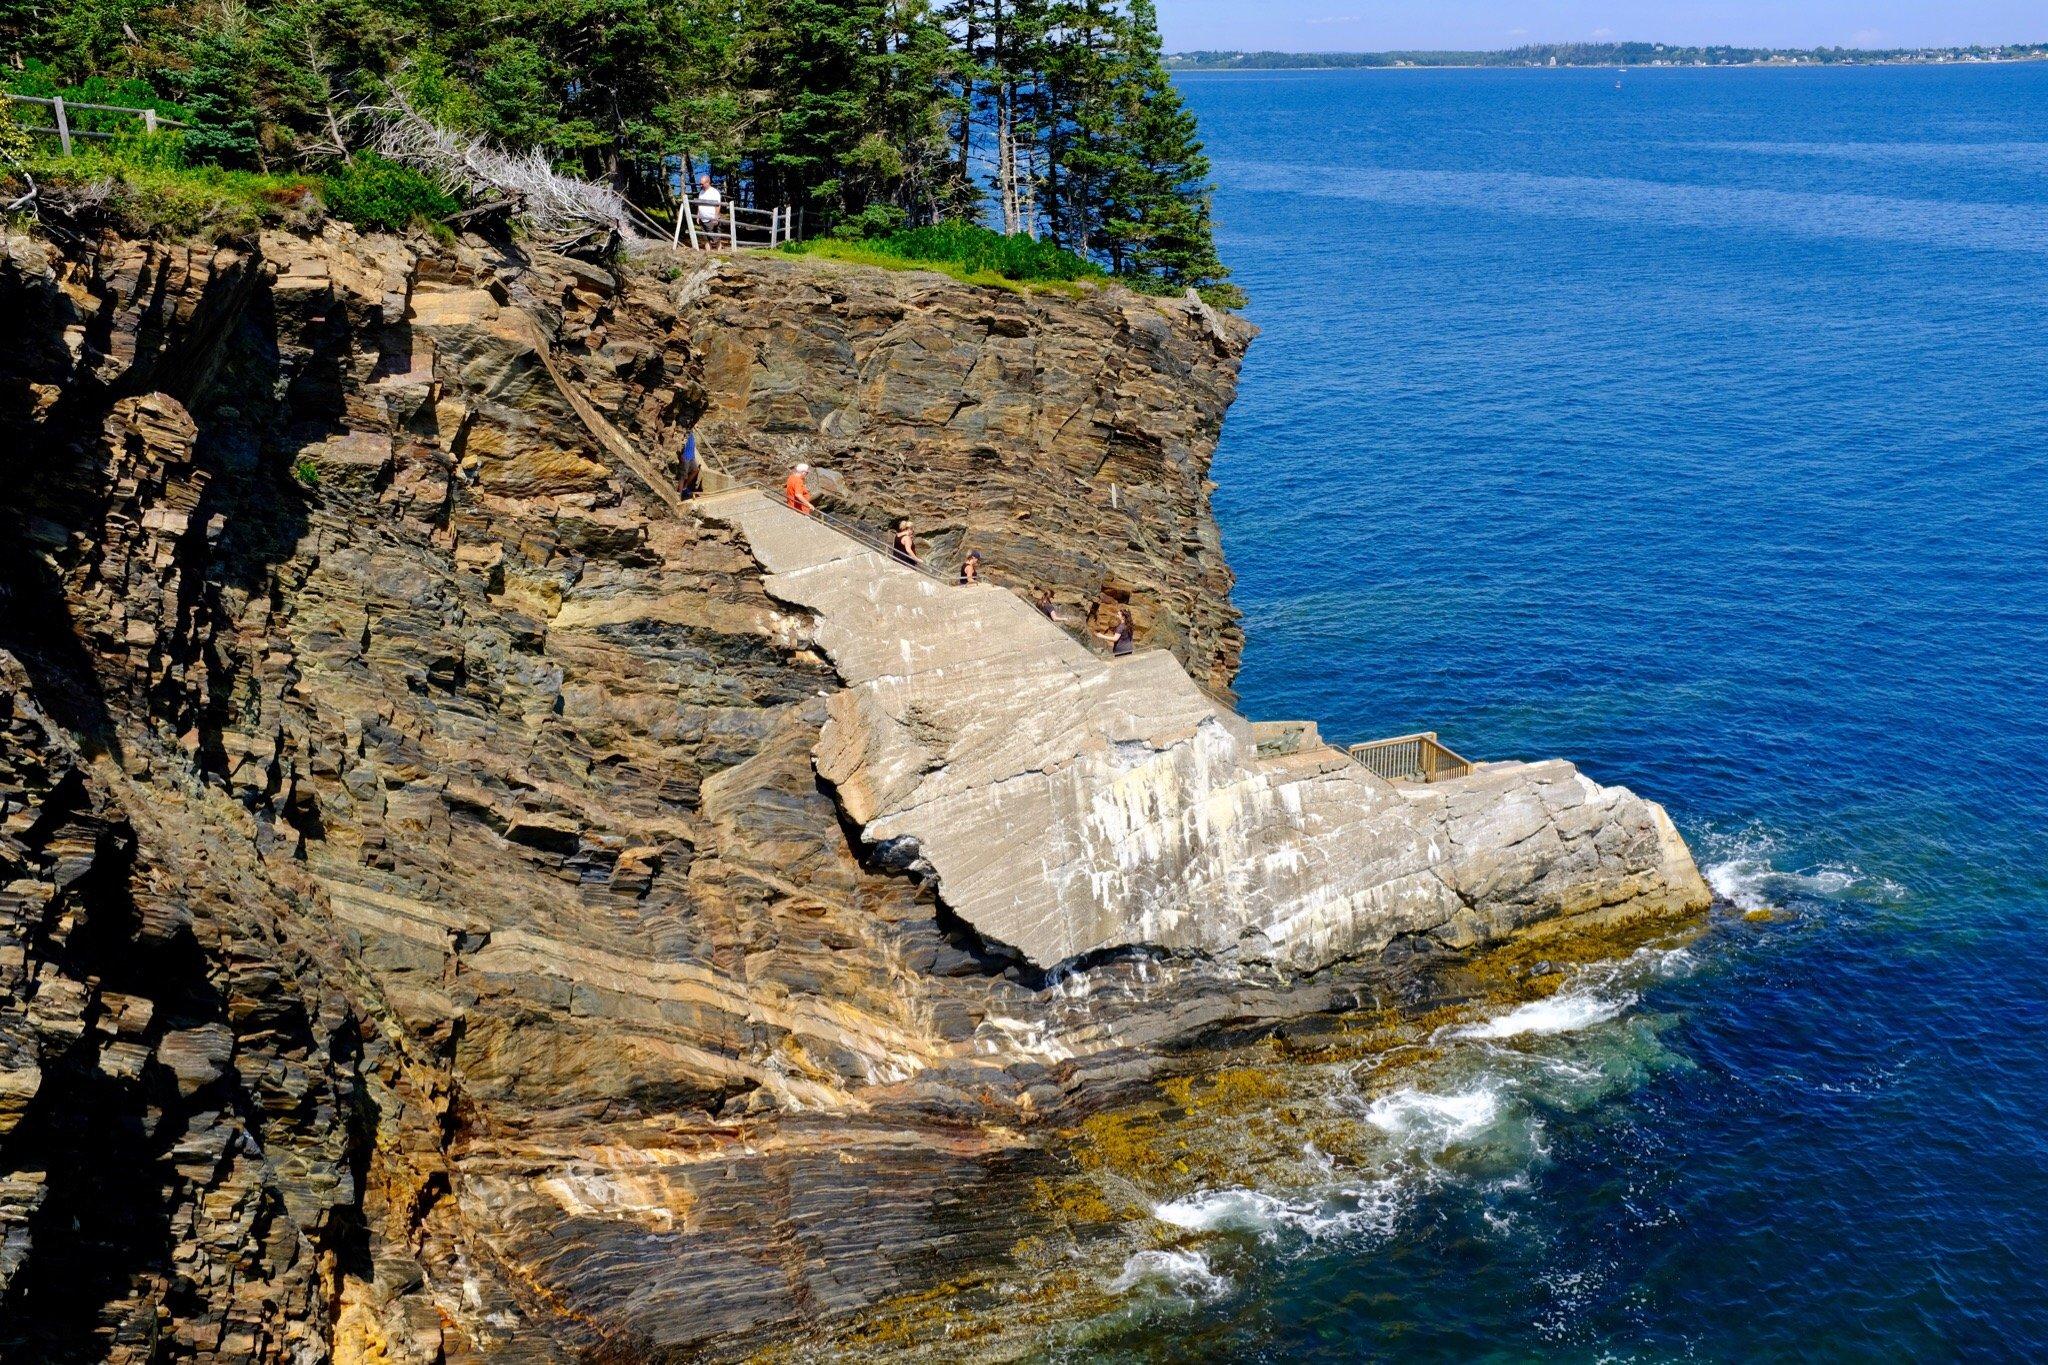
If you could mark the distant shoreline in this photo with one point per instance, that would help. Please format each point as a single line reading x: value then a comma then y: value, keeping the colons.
x: 1562, y: 56
x: 1591, y: 66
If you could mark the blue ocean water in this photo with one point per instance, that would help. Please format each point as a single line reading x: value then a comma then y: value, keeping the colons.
x: 1693, y: 425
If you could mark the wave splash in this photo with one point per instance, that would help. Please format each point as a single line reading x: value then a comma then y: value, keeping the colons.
x: 1473, y: 1118
x: 1744, y: 867
x: 1183, y: 1273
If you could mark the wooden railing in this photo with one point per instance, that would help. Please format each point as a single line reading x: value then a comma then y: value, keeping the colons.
x: 1411, y: 758
x: 62, y: 109
x: 711, y: 226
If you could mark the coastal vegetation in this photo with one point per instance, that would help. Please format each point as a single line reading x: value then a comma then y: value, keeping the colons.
x: 1052, y: 121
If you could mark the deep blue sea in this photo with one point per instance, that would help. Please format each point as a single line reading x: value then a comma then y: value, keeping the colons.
x: 1692, y: 425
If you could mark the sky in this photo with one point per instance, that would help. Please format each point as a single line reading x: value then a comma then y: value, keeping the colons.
x: 1376, y: 25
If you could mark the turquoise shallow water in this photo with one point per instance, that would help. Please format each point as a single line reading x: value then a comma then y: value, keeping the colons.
x: 1696, y: 429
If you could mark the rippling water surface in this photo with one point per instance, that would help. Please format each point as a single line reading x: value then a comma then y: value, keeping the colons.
x: 1696, y: 429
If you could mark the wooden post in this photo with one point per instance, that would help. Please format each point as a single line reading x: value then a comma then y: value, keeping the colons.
x: 690, y: 218
x: 63, y: 124
x: 149, y: 122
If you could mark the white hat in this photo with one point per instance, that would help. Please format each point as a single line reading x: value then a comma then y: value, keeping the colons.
x: 803, y: 469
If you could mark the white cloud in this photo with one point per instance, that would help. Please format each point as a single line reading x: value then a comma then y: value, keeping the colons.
x: 1870, y: 37
x: 1333, y: 19
x: 1603, y: 35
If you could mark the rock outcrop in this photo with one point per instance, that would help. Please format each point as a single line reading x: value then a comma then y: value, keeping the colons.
x: 424, y: 931
x: 1065, y: 440
x: 1066, y: 804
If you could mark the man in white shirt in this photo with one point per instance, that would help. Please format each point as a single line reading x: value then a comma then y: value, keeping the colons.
x: 708, y: 201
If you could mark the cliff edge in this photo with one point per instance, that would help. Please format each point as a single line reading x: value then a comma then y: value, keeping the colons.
x: 458, y: 903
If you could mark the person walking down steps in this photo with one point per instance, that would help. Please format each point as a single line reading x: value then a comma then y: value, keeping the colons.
x: 903, y: 545
x: 970, y: 568
x: 796, y: 491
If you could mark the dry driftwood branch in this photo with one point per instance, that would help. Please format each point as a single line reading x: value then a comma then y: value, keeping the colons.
x: 558, y: 210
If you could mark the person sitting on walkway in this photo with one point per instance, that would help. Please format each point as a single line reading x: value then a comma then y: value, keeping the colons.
x: 903, y: 545
x: 970, y: 568
x: 1124, y: 641
x: 798, y: 492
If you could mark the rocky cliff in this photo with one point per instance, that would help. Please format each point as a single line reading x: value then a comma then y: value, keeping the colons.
x: 425, y: 933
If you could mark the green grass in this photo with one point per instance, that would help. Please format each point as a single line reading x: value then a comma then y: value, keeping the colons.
x: 142, y: 187
x: 180, y: 201
x: 976, y: 255
x: 971, y: 254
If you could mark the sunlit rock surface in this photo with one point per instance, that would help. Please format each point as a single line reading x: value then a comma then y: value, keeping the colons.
x: 424, y: 932
x: 1067, y: 803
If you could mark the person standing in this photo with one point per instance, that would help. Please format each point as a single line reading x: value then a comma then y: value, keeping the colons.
x: 709, y: 205
x: 903, y: 545
x: 690, y: 474
x: 1124, y: 640
x: 970, y: 568
x: 797, y: 493
x: 1045, y: 606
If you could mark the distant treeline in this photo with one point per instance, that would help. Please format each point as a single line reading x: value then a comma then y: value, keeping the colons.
x: 1604, y: 54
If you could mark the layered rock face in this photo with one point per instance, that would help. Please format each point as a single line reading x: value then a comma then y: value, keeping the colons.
x: 424, y: 931
x: 1065, y: 440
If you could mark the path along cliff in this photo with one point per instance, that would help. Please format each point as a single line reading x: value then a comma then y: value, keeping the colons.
x: 455, y: 904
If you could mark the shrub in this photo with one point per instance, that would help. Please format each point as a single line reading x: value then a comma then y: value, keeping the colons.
x: 307, y: 473
x: 381, y: 195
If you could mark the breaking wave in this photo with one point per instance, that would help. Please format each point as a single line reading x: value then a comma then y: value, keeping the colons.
x: 1185, y: 1273
x: 1743, y: 867
x: 1340, y: 1211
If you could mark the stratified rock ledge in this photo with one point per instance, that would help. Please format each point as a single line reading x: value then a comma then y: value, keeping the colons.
x: 1065, y: 804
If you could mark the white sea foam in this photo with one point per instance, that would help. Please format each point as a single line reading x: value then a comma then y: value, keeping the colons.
x: 1434, y: 1122
x: 1746, y: 872
x: 1343, y: 1210
x: 1565, y: 1012
x: 1178, y: 1272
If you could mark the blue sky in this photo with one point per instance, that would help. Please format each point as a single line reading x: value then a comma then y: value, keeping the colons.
x: 1373, y: 25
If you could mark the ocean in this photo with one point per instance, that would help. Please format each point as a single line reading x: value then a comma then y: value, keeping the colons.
x: 1692, y: 425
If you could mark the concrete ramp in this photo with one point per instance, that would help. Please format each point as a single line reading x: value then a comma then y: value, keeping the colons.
x: 1066, y: 803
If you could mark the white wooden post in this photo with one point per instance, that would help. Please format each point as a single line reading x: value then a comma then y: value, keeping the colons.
x: 690, y: 218
x: 149, y: 122
x: 63, y: 124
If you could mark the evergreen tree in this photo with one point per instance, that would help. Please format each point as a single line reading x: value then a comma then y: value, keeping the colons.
x: 1155, y: 212
x: 861, y: 135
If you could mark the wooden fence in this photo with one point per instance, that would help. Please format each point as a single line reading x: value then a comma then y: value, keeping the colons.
x: 712, y: 224
x: 1411, y: 758
x: 62, y: 109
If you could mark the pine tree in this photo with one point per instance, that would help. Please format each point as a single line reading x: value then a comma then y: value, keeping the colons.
x: 860, y: 135
x: 1155, y: 213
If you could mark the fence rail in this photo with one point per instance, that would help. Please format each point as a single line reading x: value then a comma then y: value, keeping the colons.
x: 713, y: 223
x: 61, y: 110
x: 1411, y: 758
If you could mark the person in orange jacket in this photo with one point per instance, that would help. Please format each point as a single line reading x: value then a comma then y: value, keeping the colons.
x: 797, y: 491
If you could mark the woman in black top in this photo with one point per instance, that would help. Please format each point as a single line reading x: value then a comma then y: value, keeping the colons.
x: 903, y: 547
x: 1123, y: 642
x: 970, y: 568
